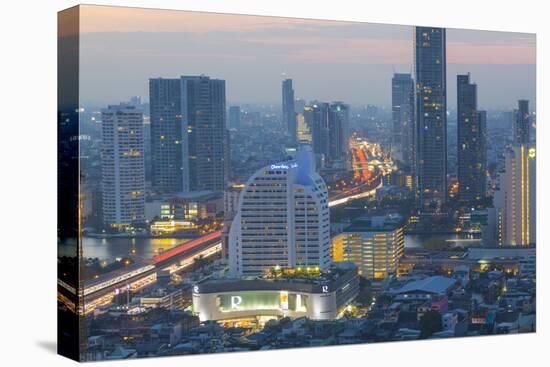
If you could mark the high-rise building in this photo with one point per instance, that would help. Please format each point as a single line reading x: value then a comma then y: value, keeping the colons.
x: 374, y: 244
x: 283, y: 219
x: 482, y: 122
x: 123, y: 165
x: 329, y: 128
x: 316, y: 116
x: 227, y: 157
x: 147, y: 147
x: 471, y: 142
x: 231, y: 197
x: 204, y: 112
x: 234, y: 117
x: 169, y: 154
x: 188, y: 134
x: 289, y: 115
x: 522, y: 124
x: 299, y: 105
x: 515, y: 200
x: 338, y: 133
x: 303, y: 130
x: 403, y: 118
x: 431, y: 117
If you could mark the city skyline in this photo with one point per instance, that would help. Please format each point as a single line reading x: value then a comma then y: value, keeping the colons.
x: 206, y: 225
x: 355, y: 59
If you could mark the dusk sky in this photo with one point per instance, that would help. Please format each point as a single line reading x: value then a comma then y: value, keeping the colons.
x: 121, y: 48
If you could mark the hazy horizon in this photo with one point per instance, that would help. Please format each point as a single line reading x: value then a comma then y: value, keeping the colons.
x: 121, y: 48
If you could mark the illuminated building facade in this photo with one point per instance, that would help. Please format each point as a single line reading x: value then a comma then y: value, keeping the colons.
x: 403, y: 118
x: 164, y: 227
x: 515, y: 200
x: 471, y: 125
x: 304, y: 132
x: 431, y: 117
x: 373, y: 244
x: 123, y: 165
x: 283, y: 219
x: 192, y: 206
x: 294, y: 293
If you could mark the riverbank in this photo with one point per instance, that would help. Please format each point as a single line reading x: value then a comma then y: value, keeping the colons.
x: 447, y: 232
x: 140, y: 235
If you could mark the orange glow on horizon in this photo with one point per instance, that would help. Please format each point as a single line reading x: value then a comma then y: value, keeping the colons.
x: 308, y: 32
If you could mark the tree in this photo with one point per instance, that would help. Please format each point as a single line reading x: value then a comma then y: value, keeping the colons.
x: 199, y: 262
x: 430, y: 323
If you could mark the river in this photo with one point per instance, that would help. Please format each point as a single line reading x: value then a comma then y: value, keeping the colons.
x: 108, y: 249
x: 440, y: 241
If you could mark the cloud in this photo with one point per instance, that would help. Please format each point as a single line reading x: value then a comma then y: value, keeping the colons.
x: 472, y: 53
x: 125, y: 19
x: 122, y: 47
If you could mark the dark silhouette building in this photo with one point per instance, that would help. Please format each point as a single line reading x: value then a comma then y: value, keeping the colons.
x: 522, y: 128
x: 316, y: 116
x: 471, y: 145
x: 338, y: 126
x: 289, y: 116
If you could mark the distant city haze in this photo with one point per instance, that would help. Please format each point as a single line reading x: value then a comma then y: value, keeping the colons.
x: 121, y: 48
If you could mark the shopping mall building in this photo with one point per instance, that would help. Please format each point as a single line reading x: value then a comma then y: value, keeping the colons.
x: 285, y: 293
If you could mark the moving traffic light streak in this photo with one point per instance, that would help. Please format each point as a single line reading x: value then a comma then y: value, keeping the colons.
x: 101, y: 291
x: 369, y: 164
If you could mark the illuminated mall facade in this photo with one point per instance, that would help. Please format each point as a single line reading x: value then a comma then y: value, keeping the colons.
x: 293, y: 293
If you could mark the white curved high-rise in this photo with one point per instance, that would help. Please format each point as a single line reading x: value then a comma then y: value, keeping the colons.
x: 283, y: 219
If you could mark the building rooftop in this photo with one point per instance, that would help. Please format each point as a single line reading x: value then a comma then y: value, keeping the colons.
x: 392, y: 188
x: 192, y: 195
x: 382, y: 223
x: 300, y: 281
x: 434, y: 285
